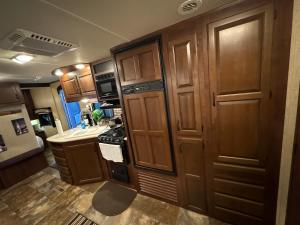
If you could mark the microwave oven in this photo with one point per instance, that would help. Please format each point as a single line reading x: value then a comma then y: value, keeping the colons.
x: 106, y: 86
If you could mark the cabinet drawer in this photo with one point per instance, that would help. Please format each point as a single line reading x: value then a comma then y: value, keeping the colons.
x: 61, y: 161
x: 66, y: 178
x: 64, y: 170
x: 58, y: 152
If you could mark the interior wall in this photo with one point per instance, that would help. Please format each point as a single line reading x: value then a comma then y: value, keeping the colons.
x: 59, y: 107
x: 16, y: 144
x: 290, y: 117
x: 47, y: 97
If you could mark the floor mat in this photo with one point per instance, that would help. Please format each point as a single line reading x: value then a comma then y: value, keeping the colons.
x: 79, y: 219
x: 112, y: 199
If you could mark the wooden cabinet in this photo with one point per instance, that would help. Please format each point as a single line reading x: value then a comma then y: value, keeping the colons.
x: 191, y: 169
x: 184, y: 76
x: 79, y: 162
x: 147, y: 122
x: 10, y: 94
x: 138, y: 65
x: 84, y: 162
x: 71, y: 88
x: 87, y: 85
x: 184, y: 80
x: 78, y: 85
x: 239, y: 51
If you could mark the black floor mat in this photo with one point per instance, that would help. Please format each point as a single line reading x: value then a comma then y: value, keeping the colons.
x: 112, y: 199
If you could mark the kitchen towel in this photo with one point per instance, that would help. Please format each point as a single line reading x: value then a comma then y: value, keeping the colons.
x: 111, y: 152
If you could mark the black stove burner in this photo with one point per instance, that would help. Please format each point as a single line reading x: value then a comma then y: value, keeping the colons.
x: 114, y: 136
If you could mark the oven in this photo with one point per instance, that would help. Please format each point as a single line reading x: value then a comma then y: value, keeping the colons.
x: 113, y: 149
x: 106, y: 86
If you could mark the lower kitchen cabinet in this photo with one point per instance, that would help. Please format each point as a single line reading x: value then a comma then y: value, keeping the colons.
x: 84, y: 162
x: 79, y: 162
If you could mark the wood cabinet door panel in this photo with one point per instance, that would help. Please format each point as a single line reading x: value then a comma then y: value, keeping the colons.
x: 153, y: 107
x: 138, y: 65
x: 239, y: 46
x: 238, y: 132
x: 149, y: 62
x: 86, y: 84
x: 142, y: 150
x: 10, y: 93
x: 185, y: 79
x: 84, y: 162
x: 128, y: 69
x: 71, y: 88
x: 192, y: 173
x: 181, y: 51
x: 135, y: 111
x: 186, y: 106
x: 239, y: 50
x: 161, y: 151
x: 184, y: 72
x: 241, y: 190
x: 147, y: 122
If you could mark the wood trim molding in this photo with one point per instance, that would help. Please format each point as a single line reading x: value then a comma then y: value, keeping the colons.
x: 33, y: 85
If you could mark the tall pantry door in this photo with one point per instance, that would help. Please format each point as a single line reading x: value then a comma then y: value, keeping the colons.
x: 239, y: 55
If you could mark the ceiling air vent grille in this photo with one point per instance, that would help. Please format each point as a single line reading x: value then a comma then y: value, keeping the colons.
x: 38, y: 44
x: 14, y: 37
x: 189, y: 7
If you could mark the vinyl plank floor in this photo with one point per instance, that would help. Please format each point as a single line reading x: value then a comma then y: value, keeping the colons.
x: 43, y: 199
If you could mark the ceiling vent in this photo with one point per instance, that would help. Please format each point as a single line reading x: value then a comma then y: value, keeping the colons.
x: 37, y: 44
x: 189, y: 7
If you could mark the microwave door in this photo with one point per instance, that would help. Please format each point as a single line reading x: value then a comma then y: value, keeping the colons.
x: 107, y: 88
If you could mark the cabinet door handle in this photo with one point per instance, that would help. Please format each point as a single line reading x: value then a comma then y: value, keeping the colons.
x: 178, y: 125
x: 214, y: 99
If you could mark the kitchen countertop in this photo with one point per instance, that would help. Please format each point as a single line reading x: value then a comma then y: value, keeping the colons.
x: 76, y: 134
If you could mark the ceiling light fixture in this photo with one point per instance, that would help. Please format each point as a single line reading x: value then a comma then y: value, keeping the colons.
x: 22, y: 59
x: 58, y: 72
x: 79, y: 66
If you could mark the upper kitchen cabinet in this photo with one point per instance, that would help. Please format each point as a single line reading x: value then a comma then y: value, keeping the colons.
x: 86, y: 83
x: 71, y: 88
x: 77, y: 83
x: 138, y: 65
x: 10, y: 94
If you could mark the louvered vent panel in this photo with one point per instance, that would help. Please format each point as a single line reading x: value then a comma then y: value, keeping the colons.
x: 158, y: 185
x: 21, y: 40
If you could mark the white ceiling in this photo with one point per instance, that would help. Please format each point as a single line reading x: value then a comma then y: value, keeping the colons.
x: 96, y: 25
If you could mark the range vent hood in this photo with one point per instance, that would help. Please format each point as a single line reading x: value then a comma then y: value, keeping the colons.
x: 37, y: 44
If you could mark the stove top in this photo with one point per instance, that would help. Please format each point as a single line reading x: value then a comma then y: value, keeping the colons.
x: 114, y: 136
